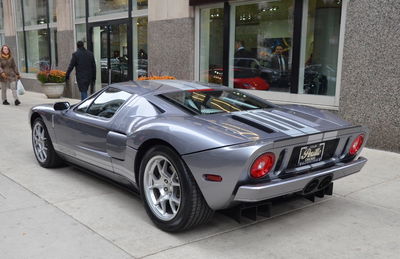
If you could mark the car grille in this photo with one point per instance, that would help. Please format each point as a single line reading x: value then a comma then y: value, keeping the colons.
x: 329, y: 151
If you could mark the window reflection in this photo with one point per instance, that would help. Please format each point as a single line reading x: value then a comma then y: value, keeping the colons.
x: 102, y: 7
x: 140, y: 47
x: 263, y: 46
x: 140, y: 4
x: 322, y: 45
x: 1, y: 17
x: 37, y: 49
x: 211, y: 45
x: 35, y: 12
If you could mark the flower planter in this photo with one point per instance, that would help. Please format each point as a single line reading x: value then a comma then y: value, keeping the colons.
x: 53, y: 90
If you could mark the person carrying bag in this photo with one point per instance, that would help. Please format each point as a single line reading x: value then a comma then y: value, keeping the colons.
x: 8, y: 75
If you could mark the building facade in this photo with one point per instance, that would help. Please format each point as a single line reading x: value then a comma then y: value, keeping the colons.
x: 339, y: 55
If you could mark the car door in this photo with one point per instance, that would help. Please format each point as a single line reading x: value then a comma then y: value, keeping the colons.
x: 64, y: 125
x: 89, y: 123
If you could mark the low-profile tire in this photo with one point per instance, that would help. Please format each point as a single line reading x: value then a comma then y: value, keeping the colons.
x: 43, y: 147
x: 169, y: 192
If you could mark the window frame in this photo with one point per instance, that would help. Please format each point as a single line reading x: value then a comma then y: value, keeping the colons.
x: 49, y: 26
x: 318, y: 101
x: 97, y: 95
x: 130, y: 15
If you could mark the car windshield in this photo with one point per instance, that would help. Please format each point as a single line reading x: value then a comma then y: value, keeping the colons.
x: 210, y: 101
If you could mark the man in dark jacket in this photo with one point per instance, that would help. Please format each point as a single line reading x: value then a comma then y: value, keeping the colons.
x: 85, y: 68
x: 280, y: 64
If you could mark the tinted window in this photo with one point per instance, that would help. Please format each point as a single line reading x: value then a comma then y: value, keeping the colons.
x: 108, y: 102
x: 83, y: 106
x: 215, y: 101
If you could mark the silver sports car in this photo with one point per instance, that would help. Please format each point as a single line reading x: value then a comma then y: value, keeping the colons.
x: 191, y: 148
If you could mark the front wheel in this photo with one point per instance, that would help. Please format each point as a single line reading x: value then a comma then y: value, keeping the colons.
x: 43, y: 147
x: 170, y: 194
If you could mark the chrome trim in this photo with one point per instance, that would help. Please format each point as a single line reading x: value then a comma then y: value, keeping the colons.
x: 253, y: 193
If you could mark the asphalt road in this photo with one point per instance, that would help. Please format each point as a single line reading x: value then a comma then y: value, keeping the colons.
x: 66, y: 213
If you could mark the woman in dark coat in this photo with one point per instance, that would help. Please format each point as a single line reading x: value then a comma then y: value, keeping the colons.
x: 8, y: 75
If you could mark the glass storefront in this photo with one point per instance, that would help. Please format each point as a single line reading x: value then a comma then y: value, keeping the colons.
x: 102, y: 7
x: 36, y: 35
x: 118, y: 57
x: 211, y: 45
x: 1, y: 16
x: 21, y: 52
x: 322, y: 47
x: 35, y: 12
x: 80, y: 33
x: 110, y: 49
x: 263, y: 45
x: 39, y: 56
x: 140, y: 64
x: 140, y: 4
x: 80, y: 10
x: 1, y: 24
x: 261, y: 51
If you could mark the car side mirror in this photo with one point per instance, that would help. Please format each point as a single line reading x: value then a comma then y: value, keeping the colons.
x: 61, y: 106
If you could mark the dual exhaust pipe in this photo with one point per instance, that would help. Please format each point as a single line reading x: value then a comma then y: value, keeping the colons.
x: 317, y: 184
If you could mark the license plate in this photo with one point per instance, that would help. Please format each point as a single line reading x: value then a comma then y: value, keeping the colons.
x: 311, y: 154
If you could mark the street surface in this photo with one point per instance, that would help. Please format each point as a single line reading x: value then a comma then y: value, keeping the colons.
x: 67, y: 213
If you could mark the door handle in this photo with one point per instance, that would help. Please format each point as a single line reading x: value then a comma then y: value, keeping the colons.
x: 109, y: 76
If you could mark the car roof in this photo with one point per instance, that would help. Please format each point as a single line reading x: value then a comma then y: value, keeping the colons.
x: 155, y: 87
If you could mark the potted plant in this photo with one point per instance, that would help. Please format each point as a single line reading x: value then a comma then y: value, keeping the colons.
x: 53, y: 82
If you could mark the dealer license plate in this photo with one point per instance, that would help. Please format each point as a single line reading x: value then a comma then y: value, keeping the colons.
x: 311, y: 154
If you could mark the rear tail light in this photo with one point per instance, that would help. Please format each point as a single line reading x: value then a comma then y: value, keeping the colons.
x: 356, y: 145
x: 262, y: 165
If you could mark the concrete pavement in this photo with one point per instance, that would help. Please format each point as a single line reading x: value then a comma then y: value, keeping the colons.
x: 66, y: 213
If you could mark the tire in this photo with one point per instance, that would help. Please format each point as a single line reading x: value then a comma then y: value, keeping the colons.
x: 43, y: 147
x: 184, y: 205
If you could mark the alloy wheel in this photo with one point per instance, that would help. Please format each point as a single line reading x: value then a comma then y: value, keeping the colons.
x: 39, y: 142
x: 162, y: 188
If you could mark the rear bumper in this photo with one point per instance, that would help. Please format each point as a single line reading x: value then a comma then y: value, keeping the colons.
x: 254, y: 193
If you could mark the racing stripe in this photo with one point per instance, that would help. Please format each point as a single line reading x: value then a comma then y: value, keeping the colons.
x: 296, y: 125
x: 279, y: 123
x: 274, y: 125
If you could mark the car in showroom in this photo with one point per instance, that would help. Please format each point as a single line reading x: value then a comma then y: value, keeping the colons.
x: 192, y: 148
x: 243, y: 79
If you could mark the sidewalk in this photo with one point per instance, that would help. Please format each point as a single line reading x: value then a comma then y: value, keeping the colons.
x: 66, y: 213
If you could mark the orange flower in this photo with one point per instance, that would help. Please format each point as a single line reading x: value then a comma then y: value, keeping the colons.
x: 157, y: 78
x: 51, y: 76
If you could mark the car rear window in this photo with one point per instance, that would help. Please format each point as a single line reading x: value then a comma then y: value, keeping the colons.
x: 210, y: 101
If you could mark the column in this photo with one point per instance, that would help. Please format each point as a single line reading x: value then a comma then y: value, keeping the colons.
x: 171, y: 38
x: 65, y: 41
x: 9, y: 26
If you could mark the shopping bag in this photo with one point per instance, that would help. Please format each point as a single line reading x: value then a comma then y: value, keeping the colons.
x: 20, y: 88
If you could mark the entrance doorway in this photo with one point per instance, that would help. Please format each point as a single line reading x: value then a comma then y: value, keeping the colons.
x: 109, y: 44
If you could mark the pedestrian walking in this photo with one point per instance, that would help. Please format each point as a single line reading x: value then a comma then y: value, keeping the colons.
x: 8, y: 75
x: 85, y: 67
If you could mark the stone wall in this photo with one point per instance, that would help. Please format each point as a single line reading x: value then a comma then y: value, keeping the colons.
x: 171, y: 48
x: 370, y: 87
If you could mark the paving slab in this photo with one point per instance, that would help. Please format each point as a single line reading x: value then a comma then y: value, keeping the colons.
x: 46, y: 232
x: 385, y: 195
x: 336, y: 228
x: 14, y: 197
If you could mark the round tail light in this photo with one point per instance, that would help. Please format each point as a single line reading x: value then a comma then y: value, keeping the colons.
x: 262, y: 165
x: 356, y: 145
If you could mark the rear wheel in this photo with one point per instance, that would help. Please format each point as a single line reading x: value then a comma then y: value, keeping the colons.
x: 170, y: 194
x: 43, y: 147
